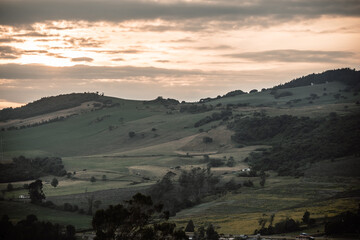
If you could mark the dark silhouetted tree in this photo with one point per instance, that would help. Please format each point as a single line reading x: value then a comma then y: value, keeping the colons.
x: 190, y: 226
x: 35, y: 192
x: 54, y: 182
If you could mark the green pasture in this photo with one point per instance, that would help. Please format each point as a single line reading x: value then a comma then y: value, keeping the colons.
x: 17, y: 210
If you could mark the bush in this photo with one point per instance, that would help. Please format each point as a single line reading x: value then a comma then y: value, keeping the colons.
x: 207, y: 140
x: 282, y: 94
x: 215, y: 162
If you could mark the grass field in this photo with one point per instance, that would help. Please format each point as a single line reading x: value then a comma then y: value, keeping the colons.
x: 19, y: 210
x: 97, y: 143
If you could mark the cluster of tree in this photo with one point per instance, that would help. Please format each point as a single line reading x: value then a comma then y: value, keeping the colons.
x: 203, y: 233
x: 23, y: 168
x: 284, y: 226
x: 229, y: 94
x: 138, y: 219
x: 162, y: 101
x: 32, y: 229
x: 262, y: 127
x: 223, y: 115
x: 347, y: 222
x: 345, y: 75
x: 218, y: 162
x: 47, y: 105
x: 187, y: 191
x: 297, y: 141
x: 196, y: 108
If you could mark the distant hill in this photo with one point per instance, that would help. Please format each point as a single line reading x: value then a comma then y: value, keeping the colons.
x: 348, y: 76
x: 49, y: 104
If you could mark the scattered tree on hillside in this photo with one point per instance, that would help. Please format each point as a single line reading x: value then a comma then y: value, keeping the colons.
x: 230, y: 162
x: 9, y: 187
x: 306, y: 217
x: 131, y: 134
x: 190, y: 226
x: 54, y: 182
x: 211, y: 234
x: 92, y: 179
x: 207, y: 140
x: 90, y: 199
x: 262, y: 178
x: 104, y: 178
x: 35, y: 192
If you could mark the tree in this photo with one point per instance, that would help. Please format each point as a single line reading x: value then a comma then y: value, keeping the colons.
x: 262, y: 180
x: 137, y: 220
x: 54, y: 182
x: 211, y: 234
x: 230, y: 162
x: 92, y: 179
x: 207, y: 140
x: 35, y: 191
x: 190, y: 226
x: 131, y: 134
x: 70, y: 232
x: 9, y: 187
x: 90, y: 199
x: 306, y: 217
x: 104, y: 177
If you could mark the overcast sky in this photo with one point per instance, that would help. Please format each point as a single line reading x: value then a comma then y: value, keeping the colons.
x: 179, y: 49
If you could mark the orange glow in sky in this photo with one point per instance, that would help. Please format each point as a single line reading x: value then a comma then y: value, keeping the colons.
x: 180, y: 49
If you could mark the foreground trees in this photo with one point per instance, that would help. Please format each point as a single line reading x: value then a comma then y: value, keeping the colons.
x: 138, y: 219
x: 32, y: 229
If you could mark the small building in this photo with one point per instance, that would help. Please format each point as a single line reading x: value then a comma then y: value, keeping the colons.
x: 24, y: 196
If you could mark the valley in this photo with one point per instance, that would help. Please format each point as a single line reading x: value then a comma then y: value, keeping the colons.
x: 113, y: 148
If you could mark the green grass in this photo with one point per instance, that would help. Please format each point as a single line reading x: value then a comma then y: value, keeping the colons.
x: 84, y: 142
x: 19, y: 210
x: 238, y: 212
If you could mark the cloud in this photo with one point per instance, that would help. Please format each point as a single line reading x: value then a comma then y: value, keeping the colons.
x: 35, y: 34
x: 27, y: 12
x: 125, y: 51
x: 36, y: 71
x: 117, y: 59
x: 291, y: 55
x: 82, y: 59
x: 7, y: 52
x: 219, y: 47
x: 83, y: 42
x: 10, y: 39
x: 56, y: 55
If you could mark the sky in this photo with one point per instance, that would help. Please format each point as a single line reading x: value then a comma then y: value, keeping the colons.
x: 185, y: 50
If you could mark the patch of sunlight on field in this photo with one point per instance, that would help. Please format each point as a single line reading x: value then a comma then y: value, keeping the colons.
x: 74, y: 186
x: 247, y: 223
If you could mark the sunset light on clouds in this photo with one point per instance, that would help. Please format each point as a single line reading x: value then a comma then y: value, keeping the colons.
x: 180, y: 49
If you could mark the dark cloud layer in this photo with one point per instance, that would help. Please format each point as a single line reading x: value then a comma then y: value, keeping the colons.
x: 291, y: 55
x: 26, y: 12
x: 36, y: 71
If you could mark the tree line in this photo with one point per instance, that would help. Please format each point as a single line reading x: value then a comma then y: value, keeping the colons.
x: 23, y: 168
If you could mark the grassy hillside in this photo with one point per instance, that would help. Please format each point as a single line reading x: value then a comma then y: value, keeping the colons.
x: 128, y: 146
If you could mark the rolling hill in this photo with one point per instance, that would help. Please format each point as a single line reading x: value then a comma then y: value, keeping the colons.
x: 128, y: 146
